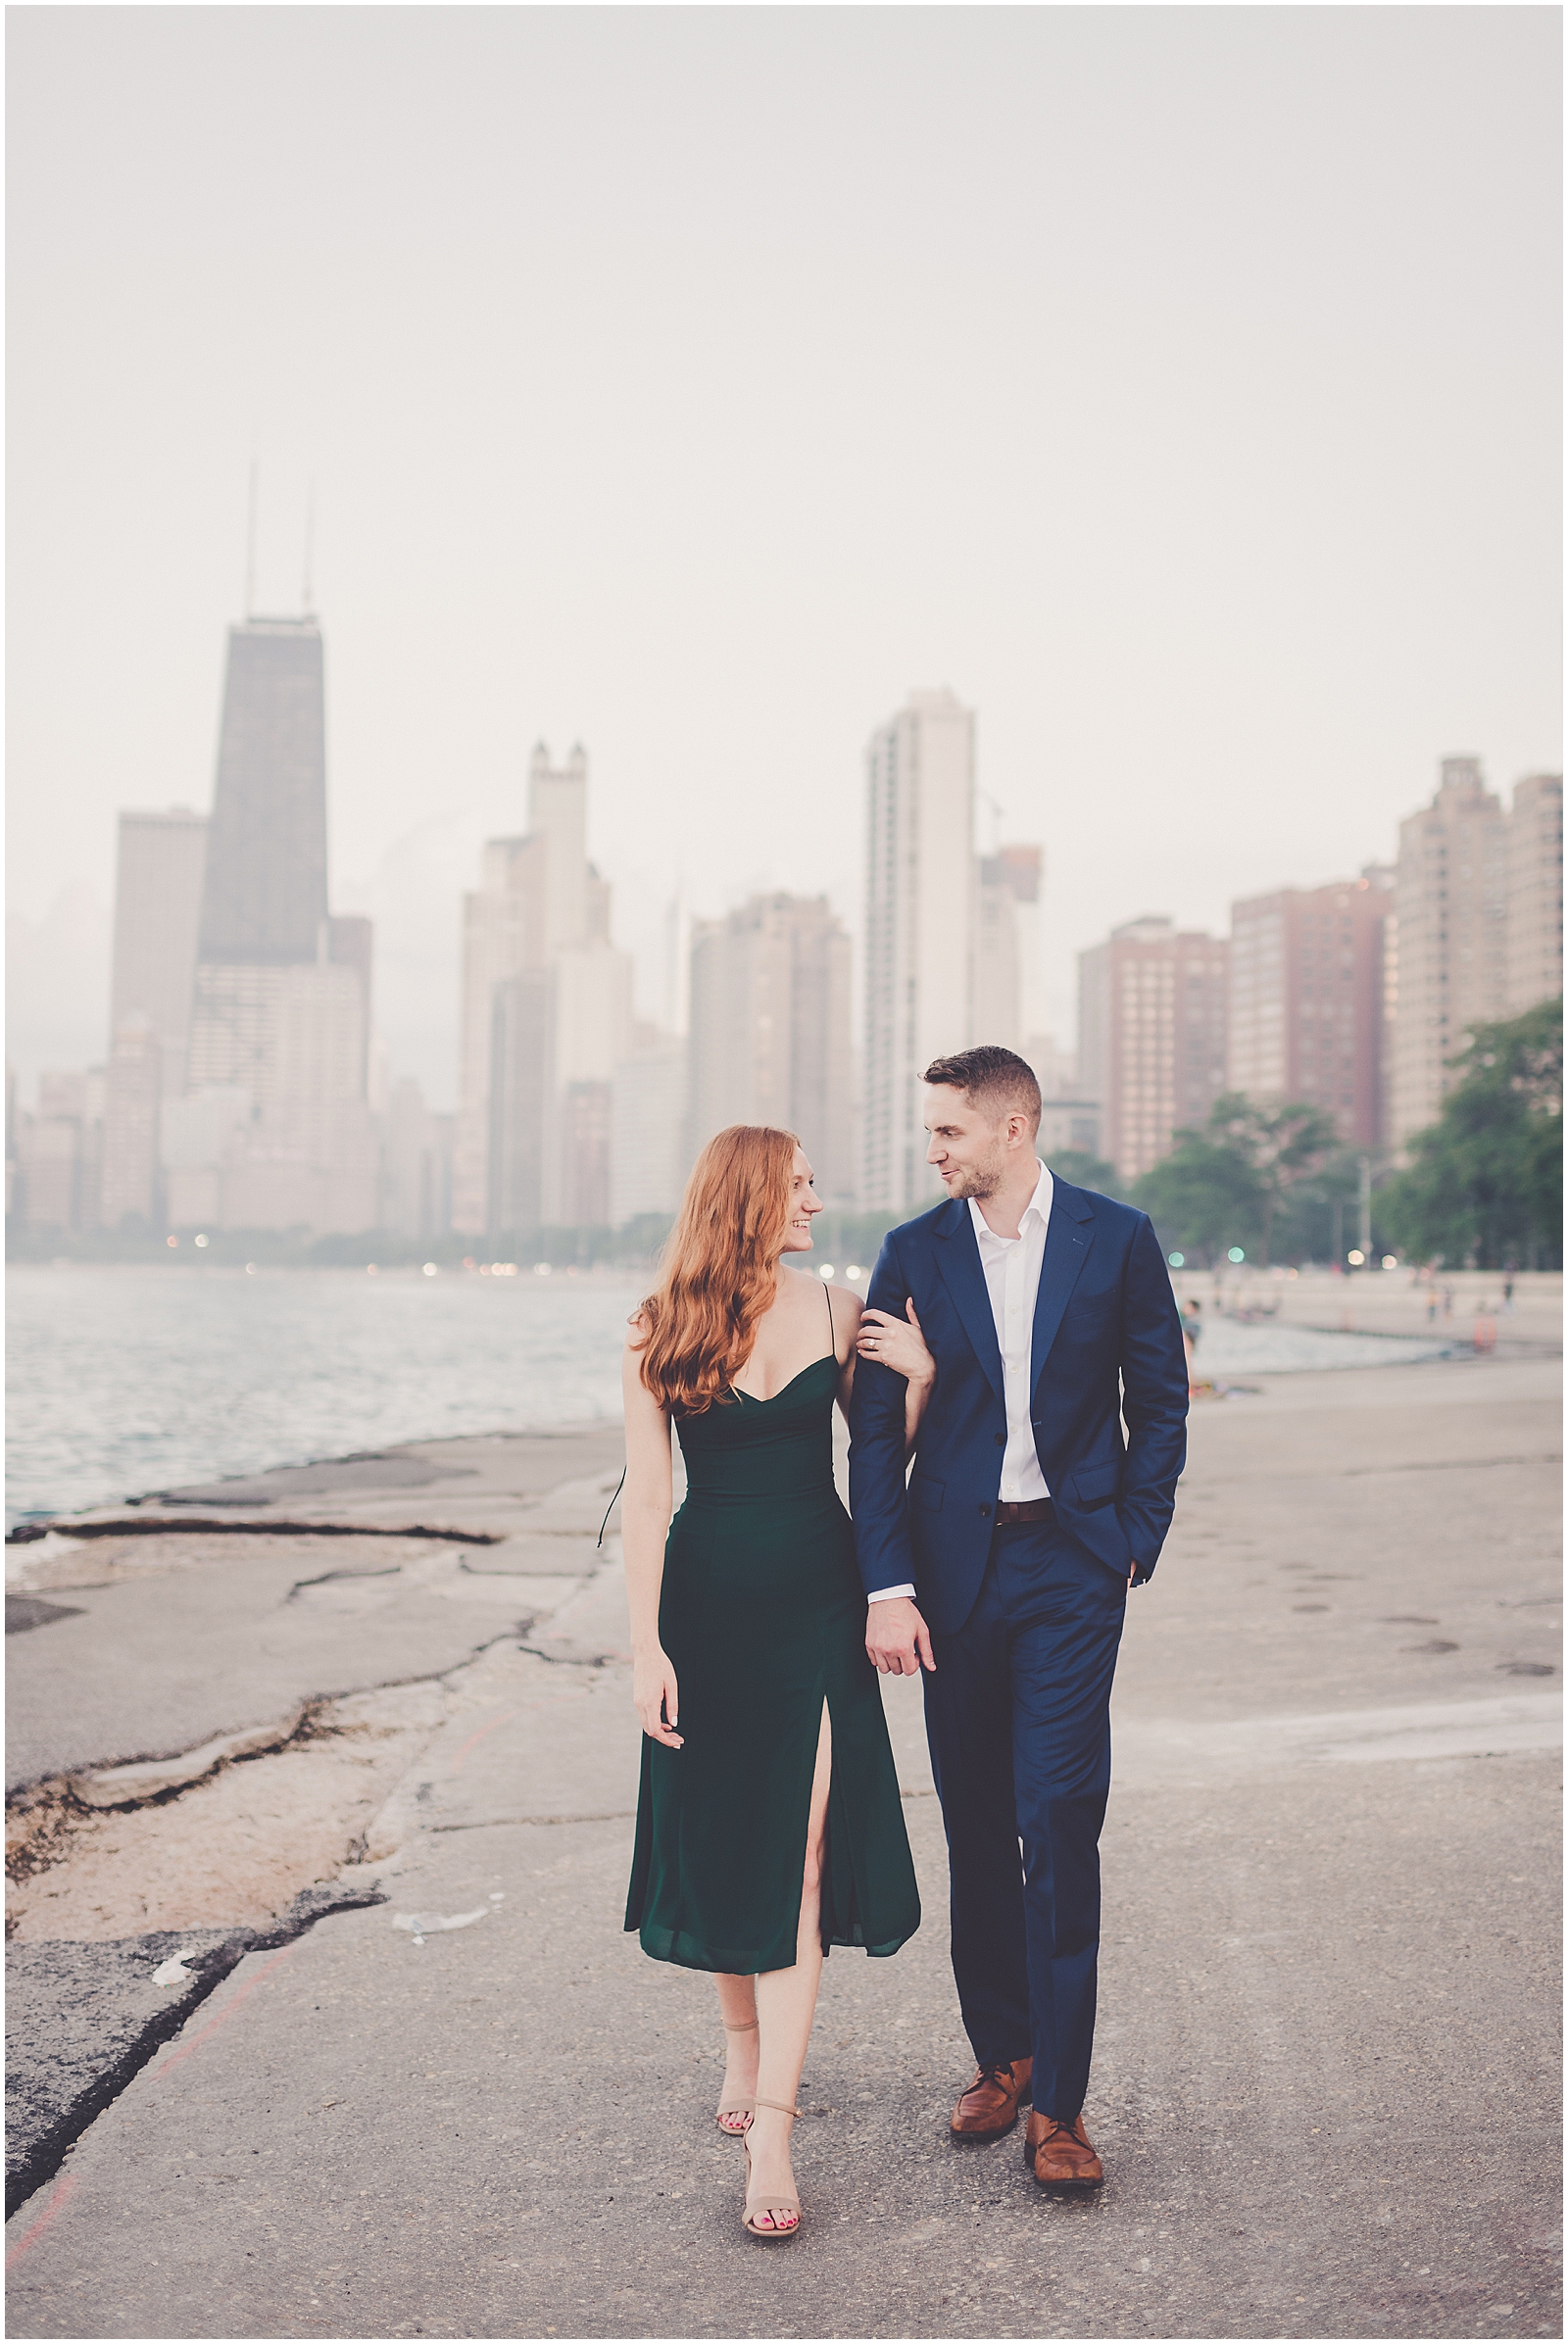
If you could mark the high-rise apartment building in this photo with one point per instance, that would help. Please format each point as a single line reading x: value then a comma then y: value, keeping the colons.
x: 158, y: 874
x: 1478, y: 929
x: 769, y: 1039
x: 1152, y: 1035
x: 648, y: 1125
x: 414, y: 1169
x: 133, y: 1096
x: 1307, y: 1001
x: 517, y: 1120
x: 1450, y: 906
x: 546, y: 1020
x: 920, y: 915
x: 1006, y: 992
x: 1533, y: 951
x: 55, y: 1156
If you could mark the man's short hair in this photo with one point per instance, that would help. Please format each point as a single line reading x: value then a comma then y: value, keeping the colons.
x: 996, y: 1079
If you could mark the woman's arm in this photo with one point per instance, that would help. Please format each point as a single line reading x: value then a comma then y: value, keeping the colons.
x: 898, y: 1343
x: 845, y: 1309
x: 644, y: 1521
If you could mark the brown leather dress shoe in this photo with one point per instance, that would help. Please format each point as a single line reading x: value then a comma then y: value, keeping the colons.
x: 990, y: 2106
x: 1062, y: 2152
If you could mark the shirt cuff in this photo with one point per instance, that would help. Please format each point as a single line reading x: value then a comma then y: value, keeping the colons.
x: 885, y: 1595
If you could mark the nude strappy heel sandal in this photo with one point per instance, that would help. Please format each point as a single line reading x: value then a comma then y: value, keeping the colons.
x: 770, y: 2205
x: 741, y: 2107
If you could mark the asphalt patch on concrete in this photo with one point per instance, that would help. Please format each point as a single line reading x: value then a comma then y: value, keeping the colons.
x: 83, y: 2018
x: 30, y: 1611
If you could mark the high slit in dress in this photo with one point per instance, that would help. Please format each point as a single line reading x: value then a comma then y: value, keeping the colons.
x: 762, y: 1615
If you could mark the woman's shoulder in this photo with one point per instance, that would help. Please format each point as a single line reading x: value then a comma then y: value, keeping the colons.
x: 802, y: 1281
x: 639, y: 1327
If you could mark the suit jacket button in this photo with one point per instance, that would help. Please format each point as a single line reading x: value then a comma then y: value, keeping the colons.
x: 1000, y: 1440
x: 984, y: 1510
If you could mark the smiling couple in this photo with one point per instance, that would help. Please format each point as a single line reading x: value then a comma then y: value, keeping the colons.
x: 1008, y: 1336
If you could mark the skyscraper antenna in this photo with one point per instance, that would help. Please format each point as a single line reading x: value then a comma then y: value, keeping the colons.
x: 310, y: 547
x: 250, y: 545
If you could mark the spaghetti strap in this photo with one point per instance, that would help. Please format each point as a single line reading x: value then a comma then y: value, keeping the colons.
x: 832, y: 1331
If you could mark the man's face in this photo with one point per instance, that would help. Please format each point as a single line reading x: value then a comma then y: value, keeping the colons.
x: 969, y: 1150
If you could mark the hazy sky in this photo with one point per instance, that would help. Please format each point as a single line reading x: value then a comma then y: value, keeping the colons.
x: 1180, y: 385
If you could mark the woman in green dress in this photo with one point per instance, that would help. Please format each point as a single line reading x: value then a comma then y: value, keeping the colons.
x: 770, y: 1824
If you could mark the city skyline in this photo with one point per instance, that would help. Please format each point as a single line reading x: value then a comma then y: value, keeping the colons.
x: 244, y: 1086
x: 1008, y: 393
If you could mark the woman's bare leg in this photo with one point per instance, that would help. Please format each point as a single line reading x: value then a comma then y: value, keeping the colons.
x: 786, y: 2003
x: 737, y: 2008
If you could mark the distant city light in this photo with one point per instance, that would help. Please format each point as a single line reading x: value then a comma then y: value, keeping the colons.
x: 1391, y: 1261
x: 541, y: 1269
x: 1236, y: 1254
x: 854, y: 1271
x: 826, y: 1270
x: 1356, y: 1258
x: 250, y: 1269
x: 1178, y: 1261
x: 202, y: 1241
x: 431, y: 1269
x: 170, y: 1241
x: 370, y: 1269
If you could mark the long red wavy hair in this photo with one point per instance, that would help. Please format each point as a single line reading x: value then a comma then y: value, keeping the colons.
x: 717, y: 1271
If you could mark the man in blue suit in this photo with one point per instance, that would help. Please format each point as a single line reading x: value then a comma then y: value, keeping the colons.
x: 1002, y: 1568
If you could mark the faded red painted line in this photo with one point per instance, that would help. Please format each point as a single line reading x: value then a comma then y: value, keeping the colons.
x: 457, y: 1763
x: 57, y: 2205
x: 235, y: 2002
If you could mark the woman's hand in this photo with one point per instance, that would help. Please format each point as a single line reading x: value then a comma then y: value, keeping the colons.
x: 897, y: 1343
x: 656, y: 1696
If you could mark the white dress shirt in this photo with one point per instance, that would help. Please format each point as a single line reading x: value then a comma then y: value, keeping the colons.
x: 1011, y: 1267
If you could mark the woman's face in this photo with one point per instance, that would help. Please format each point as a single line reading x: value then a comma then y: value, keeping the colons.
x: 805, y: 1205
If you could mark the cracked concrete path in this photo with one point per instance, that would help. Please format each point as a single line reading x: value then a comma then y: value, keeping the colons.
x: 1325, y: 2080
x: 163, y: 1641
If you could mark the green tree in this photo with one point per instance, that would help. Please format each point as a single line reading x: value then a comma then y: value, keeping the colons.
x: 1484, y: 1183
x: 1231, y: 1179
x: 1320, y: 1216
x: 1085, y: 1171
x: 1283, y: 1144
x: 1203, y: 1196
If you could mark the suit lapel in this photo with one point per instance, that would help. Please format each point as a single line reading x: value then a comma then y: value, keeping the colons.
x: 1068, y: 1238
x: 958, y: 1261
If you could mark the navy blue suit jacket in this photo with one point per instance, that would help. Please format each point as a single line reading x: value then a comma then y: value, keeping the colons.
x: 1107, y: 1345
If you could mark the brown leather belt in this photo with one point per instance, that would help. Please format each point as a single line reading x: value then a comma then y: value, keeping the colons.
x: 1027, y: 1509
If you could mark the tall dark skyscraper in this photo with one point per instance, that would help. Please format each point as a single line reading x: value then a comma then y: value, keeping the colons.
x: 280, y: 1013
x: 264, y: 896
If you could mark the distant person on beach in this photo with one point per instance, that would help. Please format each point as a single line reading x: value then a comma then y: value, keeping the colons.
x: 770, y: 1822
x: 1002, y: 1570
x: 1192, y: 1335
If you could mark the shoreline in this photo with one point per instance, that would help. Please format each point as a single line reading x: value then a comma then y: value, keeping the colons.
x: 294, y: 1744
x: 126, y: 1391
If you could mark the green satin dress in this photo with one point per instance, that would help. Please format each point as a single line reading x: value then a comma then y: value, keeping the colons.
x: 763, y: 1618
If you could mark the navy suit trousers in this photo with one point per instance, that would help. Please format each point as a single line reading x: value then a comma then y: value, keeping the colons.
x: 1017, y: 1715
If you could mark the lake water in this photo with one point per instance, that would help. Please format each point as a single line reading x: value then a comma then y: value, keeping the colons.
x: 129, y: 1380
